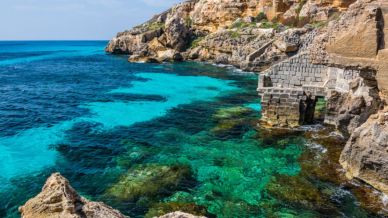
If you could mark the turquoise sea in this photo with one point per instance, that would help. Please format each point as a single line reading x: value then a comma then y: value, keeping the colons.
x: 149, y: 139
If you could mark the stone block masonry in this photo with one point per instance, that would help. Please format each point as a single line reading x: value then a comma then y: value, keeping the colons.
x: 289, y: 90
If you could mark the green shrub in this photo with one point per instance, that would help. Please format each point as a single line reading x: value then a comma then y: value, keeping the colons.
x: 269, y: 24
x: 195, y: 42
x: 188, y: 21
x: 155, y: 26
x: 300, y: 6
x: 261, y: 17
x: 234, y: 34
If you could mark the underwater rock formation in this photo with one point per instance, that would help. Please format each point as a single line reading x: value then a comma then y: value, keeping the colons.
x: 149, y: 181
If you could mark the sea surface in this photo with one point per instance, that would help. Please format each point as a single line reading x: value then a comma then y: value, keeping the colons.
x: 148, y: 139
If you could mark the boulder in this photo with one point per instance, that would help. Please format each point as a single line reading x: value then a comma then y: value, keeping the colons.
x: 179, y: 214
x: 365, y: 155
x: 59, y: 199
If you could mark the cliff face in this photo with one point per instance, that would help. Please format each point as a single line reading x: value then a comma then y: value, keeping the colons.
x: 59, y: 199
x: 357, y: 41
x: 305, y: 49
x: 237, y: 32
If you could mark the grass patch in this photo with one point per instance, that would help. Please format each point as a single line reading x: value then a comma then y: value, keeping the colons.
x: 188, y: 21
x: 155, y: 26
x: 234, y: 34
x: 319, y: 24
x: 241, y: 24
x: 261, y: 17
x: 300, y: 6
x: 269, y: 24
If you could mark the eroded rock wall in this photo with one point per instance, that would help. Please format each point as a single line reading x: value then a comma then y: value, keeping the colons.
x: 236, y: 32
x: 365, y: 154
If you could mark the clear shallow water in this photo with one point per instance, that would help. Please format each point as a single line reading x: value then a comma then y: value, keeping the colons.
x: 183, y: 136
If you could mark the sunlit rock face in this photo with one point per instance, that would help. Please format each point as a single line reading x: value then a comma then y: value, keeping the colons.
x: 59, y: 199
x: 222, y: 31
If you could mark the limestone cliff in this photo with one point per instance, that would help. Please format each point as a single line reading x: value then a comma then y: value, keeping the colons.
x: 244, y: 33
x: 365, y: 154
x: 59, y: 200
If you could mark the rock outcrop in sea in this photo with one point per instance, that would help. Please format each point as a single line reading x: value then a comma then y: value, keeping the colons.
x: 59, y: 199
x: 306, y: 50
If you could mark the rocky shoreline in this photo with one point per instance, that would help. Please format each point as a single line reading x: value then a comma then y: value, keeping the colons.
x: 305, y: 50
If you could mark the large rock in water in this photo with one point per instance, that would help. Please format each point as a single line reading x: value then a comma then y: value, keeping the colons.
x: 59, y: 200
x: 365, y: 154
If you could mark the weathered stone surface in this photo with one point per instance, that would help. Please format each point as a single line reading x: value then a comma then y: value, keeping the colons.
x: 59, y: 199
x: 179, y: 214
x: 230, y: 33
x: 365, y: 154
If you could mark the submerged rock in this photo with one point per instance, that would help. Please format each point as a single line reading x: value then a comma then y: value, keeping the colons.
x: 150, y: 181
x: 296, y: 190
x: 59, y: 199
x: 231, y: 119
x: 231, y: 112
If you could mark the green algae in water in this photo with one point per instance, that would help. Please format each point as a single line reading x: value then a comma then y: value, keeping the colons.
x: 232, y: 174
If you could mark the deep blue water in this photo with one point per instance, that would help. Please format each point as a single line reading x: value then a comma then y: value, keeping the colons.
x: 67, y: 106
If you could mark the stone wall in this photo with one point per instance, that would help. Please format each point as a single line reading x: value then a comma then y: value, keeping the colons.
x: 289, y: 90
